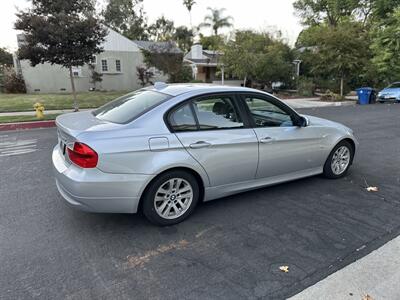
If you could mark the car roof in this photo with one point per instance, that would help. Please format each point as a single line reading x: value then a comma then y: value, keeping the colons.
x: 179, y: 89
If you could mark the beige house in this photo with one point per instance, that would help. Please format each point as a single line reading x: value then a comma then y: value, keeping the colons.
x: 117, y: 64
x: 204, y: 63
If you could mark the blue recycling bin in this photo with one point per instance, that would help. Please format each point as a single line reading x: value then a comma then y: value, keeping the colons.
x: 364, y: 95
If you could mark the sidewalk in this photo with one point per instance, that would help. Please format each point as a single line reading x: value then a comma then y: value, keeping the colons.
x: 310, y: 102
x: 376, y: 275
x: 32, y: 113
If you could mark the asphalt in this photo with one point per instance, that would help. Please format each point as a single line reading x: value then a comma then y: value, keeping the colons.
x: 230, y: 248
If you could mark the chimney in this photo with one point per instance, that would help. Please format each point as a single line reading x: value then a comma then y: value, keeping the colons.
x: 197, y: 51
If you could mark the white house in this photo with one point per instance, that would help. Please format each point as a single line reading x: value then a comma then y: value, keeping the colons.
x: 117, y: 63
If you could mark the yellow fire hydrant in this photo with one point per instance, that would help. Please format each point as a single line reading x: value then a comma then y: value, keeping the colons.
x: 39, y: 107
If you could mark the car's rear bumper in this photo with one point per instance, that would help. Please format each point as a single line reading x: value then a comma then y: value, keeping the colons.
x: 95, y: 191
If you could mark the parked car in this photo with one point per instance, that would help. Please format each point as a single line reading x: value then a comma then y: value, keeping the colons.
x: 390, y: 94
x: 163, y: 149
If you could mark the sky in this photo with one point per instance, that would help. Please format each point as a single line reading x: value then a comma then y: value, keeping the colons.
x: 261, y: 15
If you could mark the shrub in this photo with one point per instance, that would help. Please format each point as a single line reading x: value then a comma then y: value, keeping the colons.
x: 331, y: 97
x: 13, y: 83
x: 306, y: 87
x: 184, y: 74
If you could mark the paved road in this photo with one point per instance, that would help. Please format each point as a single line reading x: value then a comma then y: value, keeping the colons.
x: 229, y: 249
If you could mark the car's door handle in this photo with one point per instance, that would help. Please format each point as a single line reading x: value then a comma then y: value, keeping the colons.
x: 199, y: 145
x: 266, y: 140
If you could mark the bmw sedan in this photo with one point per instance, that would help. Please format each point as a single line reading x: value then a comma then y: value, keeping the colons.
x: 164, y: 149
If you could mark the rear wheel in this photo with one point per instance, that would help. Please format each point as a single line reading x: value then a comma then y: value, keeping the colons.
x: 171, y: 198
x: 339, y: 160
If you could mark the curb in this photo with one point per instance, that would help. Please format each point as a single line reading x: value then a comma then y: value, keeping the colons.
x: 27, y: 125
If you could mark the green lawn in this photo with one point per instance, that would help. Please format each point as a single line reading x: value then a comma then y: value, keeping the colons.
x: 25, y: 102
x: 15, y: 119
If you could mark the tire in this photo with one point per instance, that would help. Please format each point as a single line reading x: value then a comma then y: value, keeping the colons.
x: 172, y: 189
x: 338, y: 169
x: 381, y: 102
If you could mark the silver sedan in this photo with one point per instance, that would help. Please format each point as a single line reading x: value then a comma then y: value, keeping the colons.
x: 165, y: 148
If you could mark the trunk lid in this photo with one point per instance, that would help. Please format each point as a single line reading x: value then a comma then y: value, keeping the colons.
x: 73, y: 124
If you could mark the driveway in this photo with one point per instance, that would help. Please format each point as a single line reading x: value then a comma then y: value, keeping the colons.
x: 230, y: 248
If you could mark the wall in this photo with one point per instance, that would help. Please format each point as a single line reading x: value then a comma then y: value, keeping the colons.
x: 54, y: 79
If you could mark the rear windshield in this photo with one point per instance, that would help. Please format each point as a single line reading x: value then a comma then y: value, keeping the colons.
x: 126, y: 108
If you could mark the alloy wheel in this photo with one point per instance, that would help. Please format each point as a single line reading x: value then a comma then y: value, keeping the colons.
x: 173, y: 198
x: 340, y: 160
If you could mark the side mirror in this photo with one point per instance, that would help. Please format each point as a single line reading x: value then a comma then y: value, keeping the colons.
x: 302, y: 122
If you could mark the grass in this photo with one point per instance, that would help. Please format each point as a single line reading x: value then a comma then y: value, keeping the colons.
x: 25, y: 102
x: 15, y: 119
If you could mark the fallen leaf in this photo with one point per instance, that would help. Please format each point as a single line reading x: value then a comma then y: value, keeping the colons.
x: 284, y: 269
x: 367, y: 297
x: 372, y: 189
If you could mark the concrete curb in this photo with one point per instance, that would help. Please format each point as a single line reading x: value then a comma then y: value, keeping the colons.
x: 27, y: 125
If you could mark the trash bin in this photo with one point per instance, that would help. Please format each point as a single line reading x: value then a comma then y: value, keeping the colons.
x: 364, y: 95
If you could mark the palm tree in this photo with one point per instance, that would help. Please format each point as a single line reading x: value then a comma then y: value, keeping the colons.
x: 215, y: 20
x: 189, y: 4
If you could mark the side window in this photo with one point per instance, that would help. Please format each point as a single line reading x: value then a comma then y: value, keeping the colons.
x: 267, y: 114
x: 182, y: 119
x: 217, y: 113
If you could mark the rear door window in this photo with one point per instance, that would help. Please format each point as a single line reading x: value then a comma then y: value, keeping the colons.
x: 126, y: 108
x: 217, y: 112
x: 182, y: 119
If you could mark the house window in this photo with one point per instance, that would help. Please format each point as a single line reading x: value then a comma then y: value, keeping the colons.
x: 76, y: 71
x: 104, y: 65
x: 118, y: 65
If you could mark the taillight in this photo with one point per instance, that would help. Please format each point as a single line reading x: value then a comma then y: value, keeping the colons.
x: 83, y: 156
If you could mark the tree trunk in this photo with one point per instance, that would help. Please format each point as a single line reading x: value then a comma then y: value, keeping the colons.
x: 190, y: 17
x: 341, y: 86
x: 244, y: 81
x: 71, y: 76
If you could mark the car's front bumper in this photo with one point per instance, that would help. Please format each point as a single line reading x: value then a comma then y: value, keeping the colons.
x: 388, y: 99
x: 95, y: 191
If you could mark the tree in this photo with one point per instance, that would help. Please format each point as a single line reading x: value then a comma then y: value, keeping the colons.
x: 126, y: 17
x: 184, y: 37
x: 189, y: 5
x: 216, y: 21
x: 259, y: 57
x: 386, y: 47
x: 169, y: 61
x: 144, y: 75
x: 341, y: 52
x: 162, y: 29
x: 331, y: 12
x: 95, y: 76
x: 213, y: 42
x: 6, y: 58
x: 60, y: 32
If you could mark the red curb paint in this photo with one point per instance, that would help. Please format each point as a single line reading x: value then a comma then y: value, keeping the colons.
x: 27, y: 125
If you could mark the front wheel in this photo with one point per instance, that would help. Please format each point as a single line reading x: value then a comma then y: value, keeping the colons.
x: 171, y: 198
x: 339, y: 160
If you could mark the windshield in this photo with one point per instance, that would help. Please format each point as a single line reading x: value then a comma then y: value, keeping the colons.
x: 126, y: 108
x: 395, y: 85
